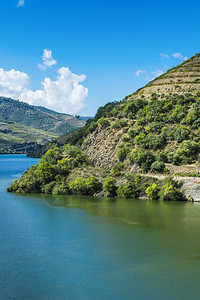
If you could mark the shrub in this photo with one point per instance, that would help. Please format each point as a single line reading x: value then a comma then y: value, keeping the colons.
x: 128, y: 190
x: 93, y: 185
x: 143, y: 159
x: 103, y: 122
x: 170, y: 190
x: 125, y: 138
x: 157, y: 142
x: 60, y: 188
x: 140, y: 139
x: 131, y: 107
x: 117, y: 168
x: 188, y: 149
x: 132, y: 133
x: 181, y: 134
x: 153, y: 192
x: 47, y: 188
x: 78, y: 186
x: 109, y: 186
x: 122, y: 153
x: 46, y: 172
x: 114, y: 125
x: 158, y: 166
x: 123, y: 123
x: 161, y: 156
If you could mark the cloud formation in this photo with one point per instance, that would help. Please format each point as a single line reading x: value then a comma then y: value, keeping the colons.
x: 65, y: 94
x: 20, y: 3
x: 163, y: 55
x: 13, y: 83
x: 139, y: 72
x: 178, y: 55
x: 48, y: 60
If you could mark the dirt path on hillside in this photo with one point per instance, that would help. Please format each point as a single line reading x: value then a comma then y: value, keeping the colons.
x: 179, y: 178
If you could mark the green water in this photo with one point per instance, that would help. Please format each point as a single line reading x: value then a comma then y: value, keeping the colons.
x: 70, y: 247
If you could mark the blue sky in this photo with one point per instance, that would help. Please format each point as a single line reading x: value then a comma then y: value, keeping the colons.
x: 106, y: 41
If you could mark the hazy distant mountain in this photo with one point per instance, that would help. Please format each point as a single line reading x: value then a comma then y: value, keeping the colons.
x: 37, y: 117
x: 24, y: 126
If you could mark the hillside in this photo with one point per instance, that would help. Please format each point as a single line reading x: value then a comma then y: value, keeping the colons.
x: 184, y: 78
x: 148, y: 132
x: 37, y: 117
x: 16, y: 138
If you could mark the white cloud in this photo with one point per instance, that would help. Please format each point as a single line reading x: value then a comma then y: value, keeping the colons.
x: 66, y: 94
x: 178, y: 55
x: 163, y: 55
x: 20, y: 3
x: 139, y: 72
x: 48, y: 60
x: 13, y: 83
x: 157, y: 73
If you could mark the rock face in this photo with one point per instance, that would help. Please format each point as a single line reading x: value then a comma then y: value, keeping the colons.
x: 181, y: 79
x: 101, y: 146
x: 191, y: 188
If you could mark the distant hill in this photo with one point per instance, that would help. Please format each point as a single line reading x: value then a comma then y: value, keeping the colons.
x: 37, y: 117
x: 17, y: 138
x: 23, y: 127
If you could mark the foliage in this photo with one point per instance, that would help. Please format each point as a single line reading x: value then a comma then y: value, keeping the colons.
x: 143, y: 159
x: 36, y: 117
x: 117, y: 168
x: 128, y: 190
x: 122, y: 153
x: 103, y: 122
x: 171, y: 190
x: 49, y: 174
x: 153, y: 192
x: 109, y: 186
x: 158, y: 166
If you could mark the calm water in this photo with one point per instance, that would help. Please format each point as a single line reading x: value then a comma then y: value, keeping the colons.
x: 61, y: 247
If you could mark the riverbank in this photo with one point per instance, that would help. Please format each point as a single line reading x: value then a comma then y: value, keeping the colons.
x: 190, y: 187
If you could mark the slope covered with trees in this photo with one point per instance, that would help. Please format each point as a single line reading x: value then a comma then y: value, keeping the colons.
x: 156, y: 133
x: 37, y: 117
x: 24, y: 126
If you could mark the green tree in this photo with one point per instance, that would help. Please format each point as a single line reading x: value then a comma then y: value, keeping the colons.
x: 153, y: 192
x: 109, y: 186
x: 93, y: 185
x: 158, y: 166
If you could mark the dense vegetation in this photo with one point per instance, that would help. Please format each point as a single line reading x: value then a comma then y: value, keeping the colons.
x: 155, y: 132
x: 51, y: 176
x: 144, y: 133
x: 37, y: 117
x: 17, y: 138
x: 23, y: 126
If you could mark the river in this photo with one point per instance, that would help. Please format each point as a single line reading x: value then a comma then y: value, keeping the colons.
x: 78, y: 247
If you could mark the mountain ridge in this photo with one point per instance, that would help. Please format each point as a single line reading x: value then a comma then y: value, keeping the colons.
x: 37, y: 117
x: 23, y: 127
x: 178, y: 79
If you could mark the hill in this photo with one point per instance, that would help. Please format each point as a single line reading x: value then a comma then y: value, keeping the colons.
x: 184, y: 78
x: 153, y: 131
x: 16, y: 138
x: 37, y: 117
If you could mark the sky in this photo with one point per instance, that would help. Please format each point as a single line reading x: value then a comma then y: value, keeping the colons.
x: 74, y: 56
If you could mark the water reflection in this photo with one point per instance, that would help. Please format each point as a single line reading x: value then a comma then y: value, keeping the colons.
x: 131, y: 212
